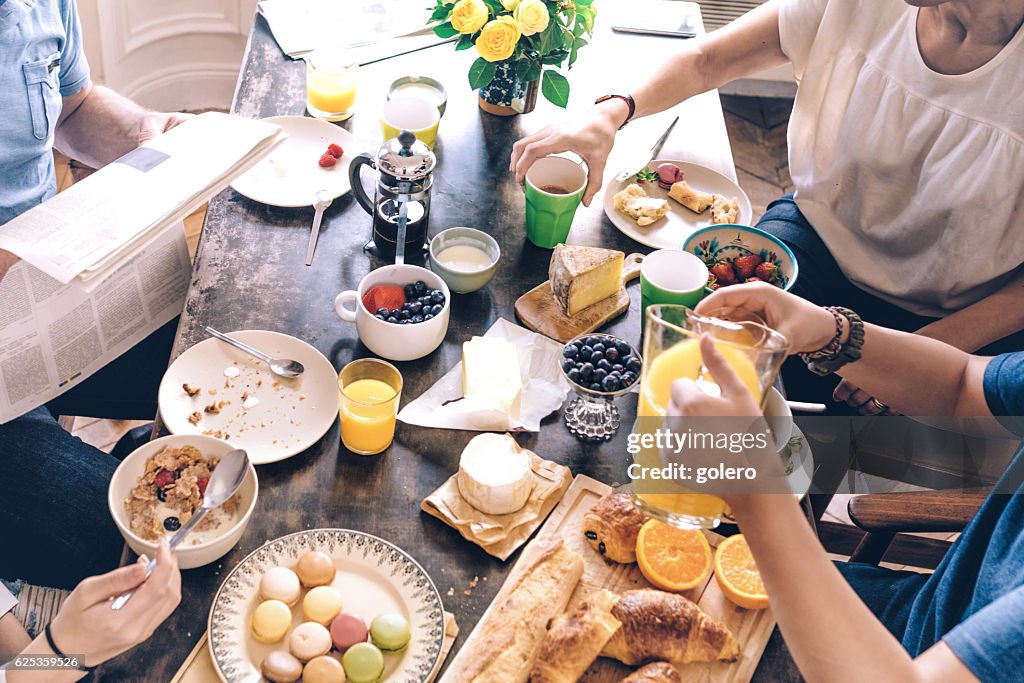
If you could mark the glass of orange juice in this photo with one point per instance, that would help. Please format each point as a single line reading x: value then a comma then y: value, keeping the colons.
x: 370, y: 392
x: 672, y: 351
x: 330, y: 84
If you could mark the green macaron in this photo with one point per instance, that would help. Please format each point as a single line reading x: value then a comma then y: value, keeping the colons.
x: 364, y: 663
x: 390, y: 632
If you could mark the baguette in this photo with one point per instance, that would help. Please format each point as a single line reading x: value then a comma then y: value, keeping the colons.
x: 575, y: 640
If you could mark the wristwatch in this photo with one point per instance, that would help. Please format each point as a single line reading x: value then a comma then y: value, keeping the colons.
x: 628, y: 99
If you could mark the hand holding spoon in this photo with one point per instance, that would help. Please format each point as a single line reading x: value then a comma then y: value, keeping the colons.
x: 223, y: 484
x: 283, y: 367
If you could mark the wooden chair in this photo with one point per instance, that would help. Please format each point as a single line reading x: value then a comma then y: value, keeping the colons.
x: 884, y: 515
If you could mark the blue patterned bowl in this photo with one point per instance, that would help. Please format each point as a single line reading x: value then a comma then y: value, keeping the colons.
x: 718, y: 242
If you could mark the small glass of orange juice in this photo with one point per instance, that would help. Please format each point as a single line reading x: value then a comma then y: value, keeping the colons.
x: 330, y: 84
x: 671, y: 352
x: 370, y: 392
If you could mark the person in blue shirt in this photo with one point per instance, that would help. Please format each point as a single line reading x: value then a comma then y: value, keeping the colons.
x: 54, y: 526
x: 854, y: 622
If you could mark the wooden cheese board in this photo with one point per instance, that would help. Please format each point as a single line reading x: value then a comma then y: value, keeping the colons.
x: 751, y: 628
x: 540, y: 312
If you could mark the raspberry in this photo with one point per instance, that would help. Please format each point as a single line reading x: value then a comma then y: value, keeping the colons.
x: 202, y: 483
x: 327, y: 160
x: 335, y: 150
x: 163, y: 478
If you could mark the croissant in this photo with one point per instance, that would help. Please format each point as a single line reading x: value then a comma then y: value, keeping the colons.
x: 664, y: 626
x: 611, y: 526
x: 574, y: 641
x: 692, y: 199
x: 655, y: 672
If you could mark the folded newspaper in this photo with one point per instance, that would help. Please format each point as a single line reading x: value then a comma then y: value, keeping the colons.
x: 86, y: 233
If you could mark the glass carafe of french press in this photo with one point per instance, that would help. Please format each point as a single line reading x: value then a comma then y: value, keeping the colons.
x: 401, y: 203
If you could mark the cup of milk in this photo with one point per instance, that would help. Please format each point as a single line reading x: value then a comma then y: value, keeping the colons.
x: 465, y: 258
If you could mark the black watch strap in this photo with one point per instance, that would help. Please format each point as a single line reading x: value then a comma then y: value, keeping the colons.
x: 628, y: 99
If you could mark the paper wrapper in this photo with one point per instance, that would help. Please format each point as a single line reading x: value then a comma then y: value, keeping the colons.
x: 544, y: 390
x: 501, y: 535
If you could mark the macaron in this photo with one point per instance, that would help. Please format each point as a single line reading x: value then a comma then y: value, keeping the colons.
x: 322, y: 604
x: 323, y: 669
x: 364, y: 663
x: 281, y: 667
x: 347, y: 630
x: 280, y: 583
x: 315, y: 568
x: 309, y: 640
x: 390, y: 631
x: 270, y: 621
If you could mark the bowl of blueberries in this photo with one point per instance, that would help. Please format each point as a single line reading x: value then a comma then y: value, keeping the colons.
x: 600, y: 368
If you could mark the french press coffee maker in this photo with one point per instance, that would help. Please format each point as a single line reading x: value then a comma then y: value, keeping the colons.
x: 401, y: 203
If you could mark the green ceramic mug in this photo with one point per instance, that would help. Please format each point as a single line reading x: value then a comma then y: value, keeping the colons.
x: 554, y: 189
x: 671, y: 276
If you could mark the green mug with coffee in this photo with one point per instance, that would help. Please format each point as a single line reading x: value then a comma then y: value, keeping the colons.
x: 554, y: 189
x: 671, y: 276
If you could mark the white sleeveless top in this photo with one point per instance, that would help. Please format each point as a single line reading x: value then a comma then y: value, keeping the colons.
x: 913, y: 179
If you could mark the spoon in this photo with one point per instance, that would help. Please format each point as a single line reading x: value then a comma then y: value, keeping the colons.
x: 224, y: 481
x: 323, y: 200
x: 279, y: 366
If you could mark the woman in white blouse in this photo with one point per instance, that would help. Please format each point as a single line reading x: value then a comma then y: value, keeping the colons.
x: 906, y: 148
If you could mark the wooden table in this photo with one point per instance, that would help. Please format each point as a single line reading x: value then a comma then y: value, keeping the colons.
x: 250, y: 274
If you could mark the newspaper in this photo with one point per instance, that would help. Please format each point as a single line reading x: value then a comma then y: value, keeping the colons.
x: 90, y: 230
x: 55, y: 335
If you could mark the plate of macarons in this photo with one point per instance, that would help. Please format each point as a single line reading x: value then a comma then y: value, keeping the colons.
x: 327, y: 606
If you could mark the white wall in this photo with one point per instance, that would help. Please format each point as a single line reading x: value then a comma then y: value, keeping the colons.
x: 169, y: 55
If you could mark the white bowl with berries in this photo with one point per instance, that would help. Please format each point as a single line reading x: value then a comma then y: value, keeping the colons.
x: 735, y: 254
x: 154, y: 491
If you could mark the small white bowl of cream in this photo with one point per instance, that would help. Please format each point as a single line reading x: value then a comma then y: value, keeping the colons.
x: 465, y: 258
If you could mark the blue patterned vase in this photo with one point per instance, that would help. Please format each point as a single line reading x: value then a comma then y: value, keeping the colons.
x: 506, y: 95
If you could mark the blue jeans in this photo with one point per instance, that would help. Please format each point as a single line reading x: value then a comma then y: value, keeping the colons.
x: 822, y: 282
x: 55, y: 526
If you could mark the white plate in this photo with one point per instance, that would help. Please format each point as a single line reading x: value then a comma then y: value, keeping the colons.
x: 374, y: 576
x: 291, y: 175
x: 671, y: 231
x: 291, y: 415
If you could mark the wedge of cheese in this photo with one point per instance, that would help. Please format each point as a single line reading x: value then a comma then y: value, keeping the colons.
x: 495, y: 475
x: 490, y: 372
x: 582, y: 276
x: 634, y: 202
x: 692, y: 199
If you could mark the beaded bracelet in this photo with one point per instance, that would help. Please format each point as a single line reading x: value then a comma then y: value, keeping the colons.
x: 57, y: 651
x: 828, y: 362
x: 832, y: 349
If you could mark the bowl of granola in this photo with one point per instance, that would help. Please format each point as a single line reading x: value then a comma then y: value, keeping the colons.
x: 159, y: 486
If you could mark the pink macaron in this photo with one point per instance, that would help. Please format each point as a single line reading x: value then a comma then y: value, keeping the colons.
x: 348, y: 629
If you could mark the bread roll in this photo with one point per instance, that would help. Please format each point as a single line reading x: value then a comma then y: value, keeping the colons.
x: 692, y: 199
x: 655, y: 672
x: 611, y: 526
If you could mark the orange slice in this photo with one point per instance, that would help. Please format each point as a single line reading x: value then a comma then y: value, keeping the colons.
x: 672, y: 559
x: 737, y: 574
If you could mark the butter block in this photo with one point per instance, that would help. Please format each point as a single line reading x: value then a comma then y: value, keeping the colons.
x: 490, y: 371
x: 582, y: 276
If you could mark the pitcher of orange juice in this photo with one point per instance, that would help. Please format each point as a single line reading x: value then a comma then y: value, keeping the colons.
x: 672, y: 351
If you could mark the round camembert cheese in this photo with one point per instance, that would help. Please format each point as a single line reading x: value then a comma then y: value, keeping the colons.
x: 495, y: 475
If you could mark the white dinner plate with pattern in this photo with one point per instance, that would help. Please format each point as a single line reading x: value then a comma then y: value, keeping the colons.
x: 239, y: 400
x: 374, y: 576
x: 671, y: 231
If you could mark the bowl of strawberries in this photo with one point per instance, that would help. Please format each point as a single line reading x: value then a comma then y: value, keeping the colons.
x: 735, y: 254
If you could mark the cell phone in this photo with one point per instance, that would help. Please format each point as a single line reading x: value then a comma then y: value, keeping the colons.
x: 639, y: 30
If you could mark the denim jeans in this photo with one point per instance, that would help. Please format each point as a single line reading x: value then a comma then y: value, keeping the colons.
x: 55, y: 526
x: 822, y: 282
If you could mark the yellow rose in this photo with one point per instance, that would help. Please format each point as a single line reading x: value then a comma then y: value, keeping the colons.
x: 469, y: 15
x: 497, y: 40
x: 509, y: 5
x: 532, y: 16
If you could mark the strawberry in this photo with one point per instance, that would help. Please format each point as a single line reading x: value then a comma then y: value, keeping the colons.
x: 335, y: 150
x: 768, y: 272
x: 723, y: 273
x: 327, y: 160
x: 745, y: 265
x: 163, y: 478
x: 384, y: 296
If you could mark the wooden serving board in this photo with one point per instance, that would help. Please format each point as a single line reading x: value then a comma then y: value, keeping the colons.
x: 539, y: 311
x: 751, y: 628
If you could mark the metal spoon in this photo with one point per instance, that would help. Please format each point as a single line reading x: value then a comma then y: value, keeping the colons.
x: 323, y: 200
x: 284, y: 367
x: 224, y: 481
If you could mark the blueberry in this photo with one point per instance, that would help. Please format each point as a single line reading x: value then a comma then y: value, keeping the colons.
x: 573, y: 375
x: 405, y: 321
x: 405, y: 306
x: 618, y: 367
x: 392, y: 319
x: 586, y: 352
x: 611, y: 353
x: 428, y: 316
x: 421, y: 287
x: 628, y: 378
x: 623, y: 348
x: 425, y: 300
x: 410, y: 292
x: 395, y: 311
x: 568, y: 364
x: 172, y: 524
x: 404, y: 314
x: 595, y: 387
x: 417, y: 318
x: 596, y: 355
x: 600, y: 374
x: 610, y: 383
x: 616, y: 375
x: 161, y: 496
x: 599, y: 346
x: 633, y: 364
x: 586, y: 370
x: 436, y: 309
x: 604, y: 365
x: 437, y: 297
x: 379, y: 317
x: 415, y: 307
x: 570, y: 351
x: 382, y: 312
